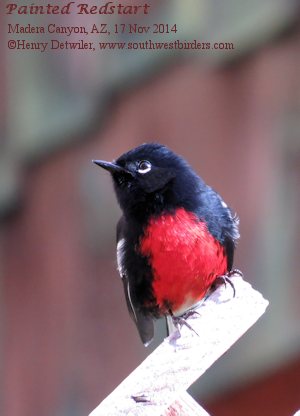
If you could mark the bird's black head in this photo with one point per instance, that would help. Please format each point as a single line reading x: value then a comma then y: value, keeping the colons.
x: 151, y: 178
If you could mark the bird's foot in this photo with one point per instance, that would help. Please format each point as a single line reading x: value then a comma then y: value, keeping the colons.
x: 233, y: 272
x: 224, y: 279
x: 179, y: 322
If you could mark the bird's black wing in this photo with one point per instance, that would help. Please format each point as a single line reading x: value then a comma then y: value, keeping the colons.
x: 143, y: 323
x: 221, y: 221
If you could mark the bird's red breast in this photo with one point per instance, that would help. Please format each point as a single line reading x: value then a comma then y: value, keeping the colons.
x: 185, y: 259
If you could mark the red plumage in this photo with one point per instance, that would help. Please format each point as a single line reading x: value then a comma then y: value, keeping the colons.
x: 185, y: 259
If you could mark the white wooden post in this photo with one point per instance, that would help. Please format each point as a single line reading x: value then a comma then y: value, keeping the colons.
x: 161, y: 380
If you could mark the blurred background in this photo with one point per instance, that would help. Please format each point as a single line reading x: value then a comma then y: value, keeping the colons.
x: 66, y: 339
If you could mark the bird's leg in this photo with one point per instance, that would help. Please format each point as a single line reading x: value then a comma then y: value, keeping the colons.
x: 180, y: 321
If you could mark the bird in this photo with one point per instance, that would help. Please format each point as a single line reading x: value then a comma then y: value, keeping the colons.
x: 175, y: 239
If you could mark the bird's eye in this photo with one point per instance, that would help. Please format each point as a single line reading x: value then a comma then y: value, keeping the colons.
x: 144, y: 166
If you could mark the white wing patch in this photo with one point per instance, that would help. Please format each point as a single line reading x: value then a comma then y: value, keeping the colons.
x: 120, y: 256
x: 224, y: 205
x: 235, y: 220
x: 129, y: 297
x: 122, y: 271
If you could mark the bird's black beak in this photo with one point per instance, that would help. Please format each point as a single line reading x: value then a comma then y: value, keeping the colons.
x: 110, y: 166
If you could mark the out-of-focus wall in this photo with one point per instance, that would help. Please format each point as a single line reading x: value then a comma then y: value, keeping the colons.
x: 67, y: 339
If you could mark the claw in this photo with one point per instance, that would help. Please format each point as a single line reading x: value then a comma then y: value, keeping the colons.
x: 141, y: 398
x: 226, y: 279
x: 180, y: 321
x: 233, y: 272
x: 222, y: 280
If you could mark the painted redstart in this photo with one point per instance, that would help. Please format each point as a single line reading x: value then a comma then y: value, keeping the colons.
x: 176, y: 236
